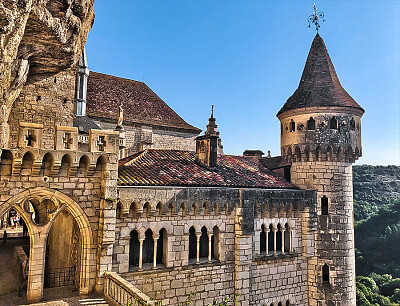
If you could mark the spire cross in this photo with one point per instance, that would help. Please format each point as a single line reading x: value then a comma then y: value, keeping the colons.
x: 212, y: 111
x: 314, y: 18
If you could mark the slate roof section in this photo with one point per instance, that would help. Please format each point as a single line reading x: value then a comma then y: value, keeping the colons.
x: 275, y: 162
x: 319, y: 84
x: 141, y: 105
x: 84, y: 124
x: 178, y: 168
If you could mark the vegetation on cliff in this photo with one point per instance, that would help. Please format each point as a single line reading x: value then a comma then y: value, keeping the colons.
x: 377, y: 234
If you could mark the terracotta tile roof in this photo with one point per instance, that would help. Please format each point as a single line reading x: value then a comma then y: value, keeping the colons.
x: 141, y: 105
x: 319, y: 84
x: 178, y: 168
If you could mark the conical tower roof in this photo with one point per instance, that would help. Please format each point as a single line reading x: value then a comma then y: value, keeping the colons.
x: 319, y: 85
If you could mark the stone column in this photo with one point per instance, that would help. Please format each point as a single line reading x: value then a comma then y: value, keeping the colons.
x: 209, y: 248
x: 266, y: 241
x: 155, y: 238
x: 283, y: 240
x: 290, y: 241
x: 198, y: 249
x: 140, y: 254
x: 274, y: 229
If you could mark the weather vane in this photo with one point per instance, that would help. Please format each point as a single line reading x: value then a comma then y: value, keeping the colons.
x: 314, y: 18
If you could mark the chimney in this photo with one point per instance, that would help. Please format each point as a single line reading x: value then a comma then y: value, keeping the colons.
x: 207, y: 145
x: 256, y: 153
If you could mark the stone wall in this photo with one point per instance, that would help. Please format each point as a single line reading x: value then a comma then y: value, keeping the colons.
x: 141, y: 137
x: 49, y: 102
x: 334, y: 242
x: 240, y: 267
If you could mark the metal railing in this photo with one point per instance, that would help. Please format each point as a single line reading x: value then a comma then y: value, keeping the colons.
x: 60, y: 277
x: 120, y: 292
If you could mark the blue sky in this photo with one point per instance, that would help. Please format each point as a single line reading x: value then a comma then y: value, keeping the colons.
x: 246, y: 57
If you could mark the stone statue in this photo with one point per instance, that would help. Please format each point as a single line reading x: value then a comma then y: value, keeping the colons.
x: 120, y: 116
x: 57, y: 33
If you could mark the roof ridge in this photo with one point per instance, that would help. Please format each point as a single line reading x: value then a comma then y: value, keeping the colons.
x: 118, y: 77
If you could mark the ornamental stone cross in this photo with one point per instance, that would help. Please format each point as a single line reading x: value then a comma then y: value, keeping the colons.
x: 67, y: 140
x: 101, y: 143
x: 29, y: 138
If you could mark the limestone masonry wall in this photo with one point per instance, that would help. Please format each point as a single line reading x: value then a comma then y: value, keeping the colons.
x: 141, y: 137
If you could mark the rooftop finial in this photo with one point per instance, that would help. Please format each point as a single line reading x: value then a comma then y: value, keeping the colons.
x: 314, y: 18
x: 212, y: 111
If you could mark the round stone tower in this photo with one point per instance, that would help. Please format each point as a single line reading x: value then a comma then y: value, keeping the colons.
x: 321, y: 137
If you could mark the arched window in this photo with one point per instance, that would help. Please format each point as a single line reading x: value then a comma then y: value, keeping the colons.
x: 352, y: 124
x: 263, y: 241
x: 287, y: 238
x: 281, y: 129
x: 279, y: 239
x: 311, y: 124
x: 83, y: 166
x: 27, y: 164
x: 203, y: 243
x: 271, y: 240
x: 215, y: 243
x: 333, y: 123
x: 325, y: 274
x: 292, y: 125
x: 47, y: 165
x: 100, y: 166
x: 324, y: 206
x: 148, y: 247
x: 192, y: 243
x: 134, y: 249
x: 162, y: 247
x: 6, y: 163
x: 65, y: 167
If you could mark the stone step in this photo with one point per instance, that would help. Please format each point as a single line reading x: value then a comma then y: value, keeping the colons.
x: 98, y: 301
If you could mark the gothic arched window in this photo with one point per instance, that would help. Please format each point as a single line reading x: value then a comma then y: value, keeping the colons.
x: 134, y: 248
x: 263, y: 241
x: 333, y: 123
x: 270, y: 240
x: 311, y: 124
x: 292, y: 125
x: 204, y: 243
x: 325, y: 273
x: 192, y: 243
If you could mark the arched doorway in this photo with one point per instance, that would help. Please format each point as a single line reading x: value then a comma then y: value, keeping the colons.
x: 48, y: 205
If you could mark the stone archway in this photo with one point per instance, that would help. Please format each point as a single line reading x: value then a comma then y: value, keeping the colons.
x: 39, y: 233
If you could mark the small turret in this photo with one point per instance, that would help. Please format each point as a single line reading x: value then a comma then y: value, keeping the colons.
x: 208, y: 145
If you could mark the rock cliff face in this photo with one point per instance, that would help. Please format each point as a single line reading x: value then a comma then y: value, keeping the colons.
x: 38, y: 38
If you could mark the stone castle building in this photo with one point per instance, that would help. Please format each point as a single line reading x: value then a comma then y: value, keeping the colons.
x: 121, y: 196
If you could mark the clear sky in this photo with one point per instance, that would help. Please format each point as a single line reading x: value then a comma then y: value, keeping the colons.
x: 246, y: 57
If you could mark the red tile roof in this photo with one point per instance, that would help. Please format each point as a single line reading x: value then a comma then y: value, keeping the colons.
x: 178, y: 168
x: 141, y: 105
x: 319, y: 84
